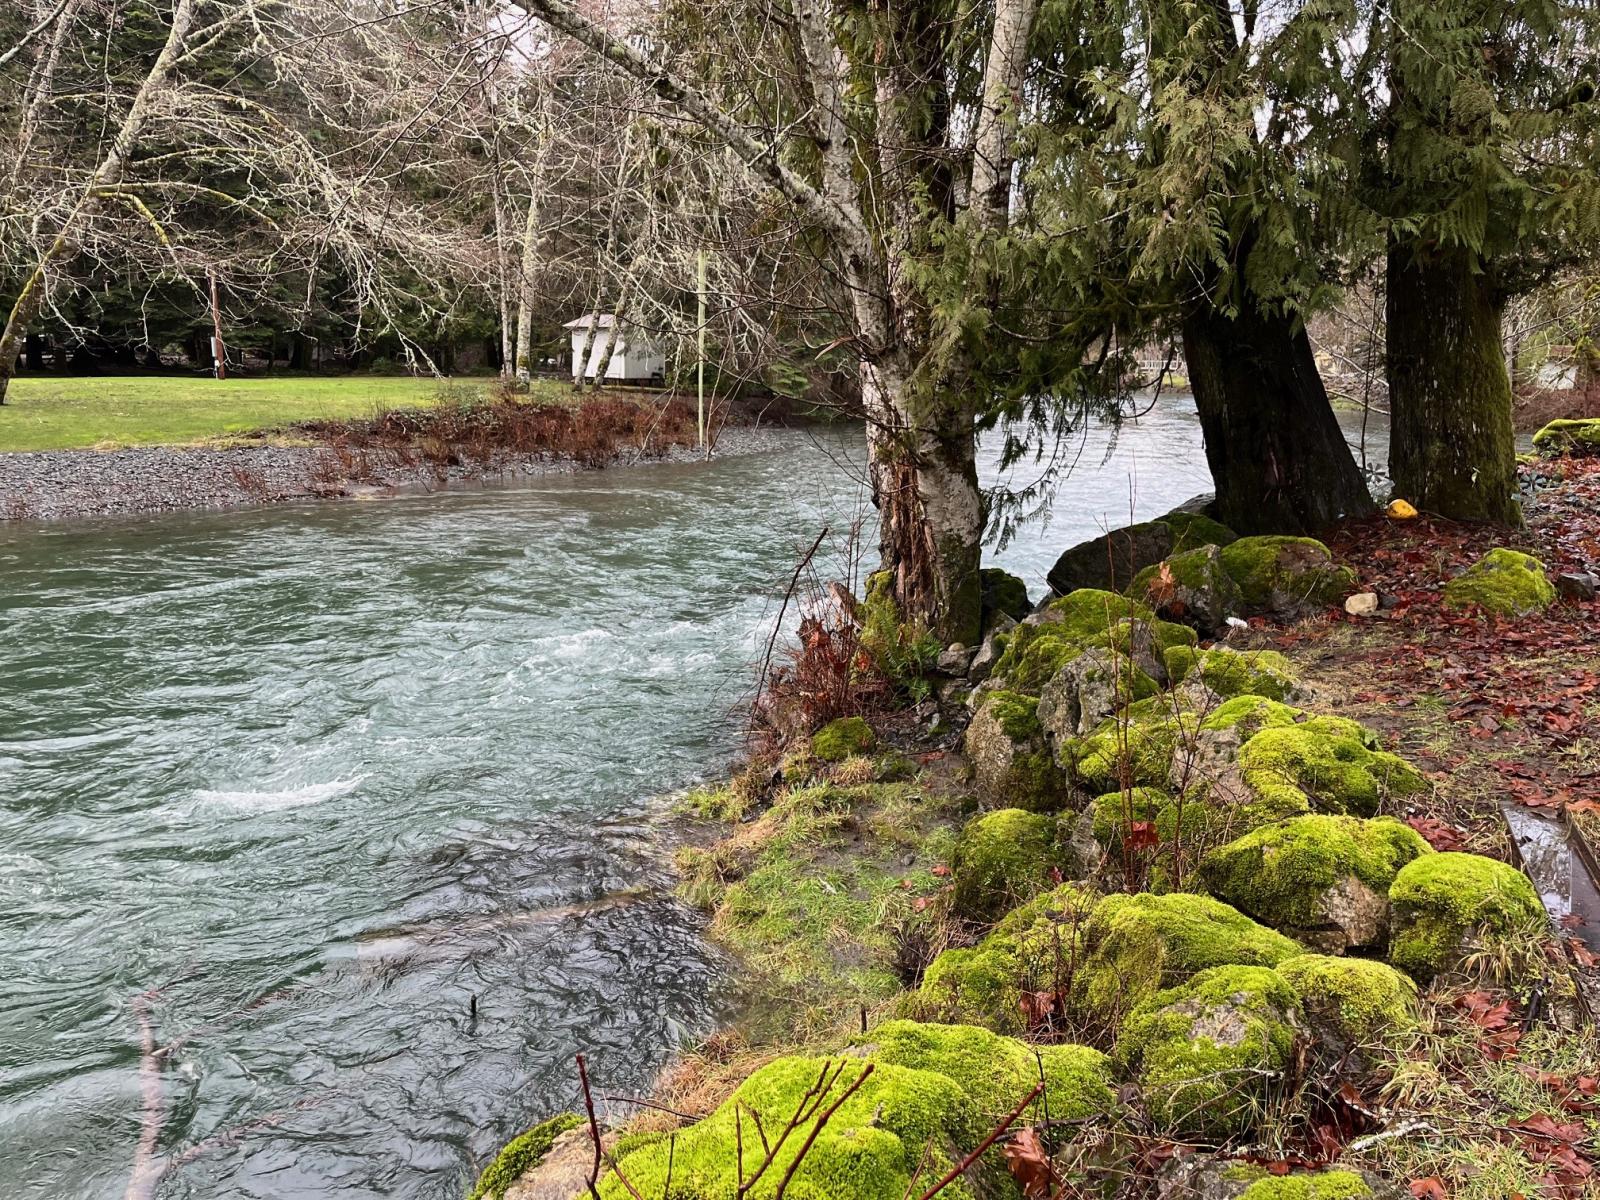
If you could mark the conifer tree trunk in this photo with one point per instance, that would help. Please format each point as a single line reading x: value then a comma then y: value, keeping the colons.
x: 1452, y: 450
x: 1277, y: 455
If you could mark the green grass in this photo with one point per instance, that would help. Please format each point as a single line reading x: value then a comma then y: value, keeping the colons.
x: 64, y: 414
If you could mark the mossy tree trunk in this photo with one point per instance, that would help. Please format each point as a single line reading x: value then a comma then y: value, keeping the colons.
x: 1278, y: 458
x: 1452, y: 450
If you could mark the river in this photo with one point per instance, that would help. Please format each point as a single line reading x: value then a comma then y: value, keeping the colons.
x: 347, y: 806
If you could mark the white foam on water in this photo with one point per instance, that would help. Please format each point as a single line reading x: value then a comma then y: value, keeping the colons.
x: 275, y: 801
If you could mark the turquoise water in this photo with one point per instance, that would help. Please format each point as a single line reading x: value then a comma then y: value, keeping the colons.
x: 358, y: 794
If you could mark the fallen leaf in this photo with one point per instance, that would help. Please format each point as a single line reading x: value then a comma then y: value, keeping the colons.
x: 1029, y: 1164
x: 1431, y: 1188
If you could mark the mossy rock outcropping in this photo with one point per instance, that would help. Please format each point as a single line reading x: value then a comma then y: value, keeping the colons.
x: 1322, y: 879
x: 1012, y: 763
x: 1286, y: 577
x: 1351, y: 1004
x: 841, y: 738
x: 1579, y: 435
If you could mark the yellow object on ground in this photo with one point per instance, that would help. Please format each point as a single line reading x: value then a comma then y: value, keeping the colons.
x: 1400, y: 510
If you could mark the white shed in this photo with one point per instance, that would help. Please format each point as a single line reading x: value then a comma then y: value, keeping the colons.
x: 634, y: 356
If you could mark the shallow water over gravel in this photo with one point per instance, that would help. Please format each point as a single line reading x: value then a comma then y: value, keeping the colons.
x: 320, y: 775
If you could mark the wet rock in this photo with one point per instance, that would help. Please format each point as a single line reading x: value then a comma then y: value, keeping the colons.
x: 954, y: 659
x: 1012, y: 765
x: 1004, y: 595
x: 1087, y: 691
x: 1111, y: 561
x: 994, y: 645
x: 1192, y: 588
x: 562, y: 1172
x: 1578, y: 585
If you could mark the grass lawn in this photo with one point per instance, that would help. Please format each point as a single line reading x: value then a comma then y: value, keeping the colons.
x: 48, y: 413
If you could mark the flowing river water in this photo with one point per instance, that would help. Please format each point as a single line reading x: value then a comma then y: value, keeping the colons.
x: 346, y: 808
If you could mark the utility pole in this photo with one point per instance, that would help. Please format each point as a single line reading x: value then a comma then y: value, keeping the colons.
x: 700, y: 367
x: 219, y: 362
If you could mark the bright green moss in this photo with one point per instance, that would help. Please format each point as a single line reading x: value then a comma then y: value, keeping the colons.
x: 1274, y: 572
x: 1328, y: 762
x: 1206, y: 1053
x: 1002, y: 859
x: 1251, y: 714
x: 996, y: 1072
x: 1504, y: 582
x: 1196, y: 570
x: 838, y: 740
x: 1441, y: 903
x: 1360, y: 1001
x: 1017, y: 714
x: 1233, y: 673
x: 1087, y: 619
x: 868, y: 1149
x: 1141, y: 943
x: 1569, y: 436
x: 1004, y: 593
x: 1192, y: 530
x: 1324, y: 1185
x: 521, y: 1154
x: 1144, y: 735
x: 1282, y: 873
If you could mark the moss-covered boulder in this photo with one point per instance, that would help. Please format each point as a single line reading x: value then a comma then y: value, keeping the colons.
x: 1446, y: 906
x: 1208, y: 1053
x: 1579, y: 435
x: 1322, y: 879
x: 1032, y: 949
x: 1088, y: 690
x: 1213, y: 1177
x: 838, y: 740
x: 1351, y: 1004
x: 1136, y: 945
x: 520, y: 1155
x: 1086, y: 619
x: 1143, y: 737
x: 1164, y: 832
x: 1012, y: 764
x: 869, y: 1148
x: 1505, y: 582
x: 1329, y: 764
x: 1111, y: 560
x: 1003, y: 859
x: 1192, y: 588
x: 1286, y: 576
x: 995, y: 1071
x: 1003, y: 593
x: 1232, y: 673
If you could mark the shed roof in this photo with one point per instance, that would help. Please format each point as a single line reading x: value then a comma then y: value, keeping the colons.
x: 598, y: 320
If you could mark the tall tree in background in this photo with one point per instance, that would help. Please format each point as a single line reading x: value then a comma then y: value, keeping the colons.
x: 1241, y: 230
x: 1487, y: 165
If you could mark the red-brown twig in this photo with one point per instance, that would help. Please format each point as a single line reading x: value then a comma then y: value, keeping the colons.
x: 995, y: 1135
x: 594, y: 1129
x: 805, y: 1147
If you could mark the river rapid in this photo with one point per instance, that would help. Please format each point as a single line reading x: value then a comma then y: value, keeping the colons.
x: 347, y: 807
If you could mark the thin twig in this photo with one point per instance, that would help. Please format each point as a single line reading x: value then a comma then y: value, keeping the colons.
x: 960, y: 1168
x: 594, y: 1129
x: 816, y: 1129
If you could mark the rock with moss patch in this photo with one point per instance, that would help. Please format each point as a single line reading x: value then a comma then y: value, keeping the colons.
x: 1214, y: 1177
x: 1233, y: 673
x: 1324, y: 880
x: 1329, y: 764
x: 1504, y: 582
x: 869, y: 1148
x: 1207, y: 762
x: 1030, y: 950
x: 1351, y: 1004
x: 1002, y: 859
x: 1111, y: 560
x: 1012, y: 765
x: 1164, y: 832
x: 1138, y: 944
x: 1288, y: 577
x: 1143, y: 737
x: 1208, y: 1053
x: 1003, y: 594
x: 996, y: 1071
x: 1088, y: 690
x: 520, y: 1155
x: 1086, y: 619
x: 1192, y: 587
x: 839, y: 739
x: 1446, y: 906
x: 1575, y: 435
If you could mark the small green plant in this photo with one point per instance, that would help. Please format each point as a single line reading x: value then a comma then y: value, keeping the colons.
x: 904, y: 652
